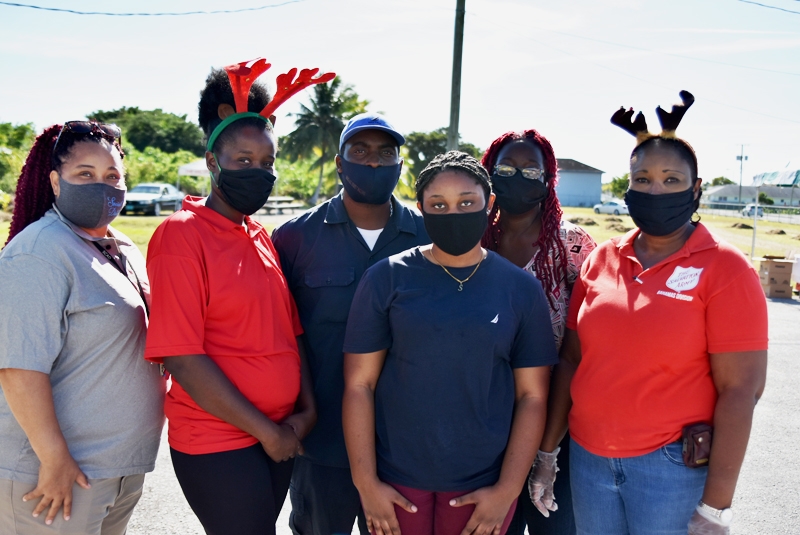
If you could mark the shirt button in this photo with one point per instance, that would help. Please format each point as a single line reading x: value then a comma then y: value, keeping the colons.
x: 328, y: 282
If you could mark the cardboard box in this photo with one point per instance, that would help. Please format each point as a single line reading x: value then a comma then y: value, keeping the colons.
x: 779, y: 291
x: 776, y: 267
x: 774, y: 279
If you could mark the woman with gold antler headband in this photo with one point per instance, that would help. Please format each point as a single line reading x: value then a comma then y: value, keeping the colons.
x: 223, y: 321
x: 653, y: 367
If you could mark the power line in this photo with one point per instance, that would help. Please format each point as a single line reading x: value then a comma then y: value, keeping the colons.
x: 166, y: 14
x: 770, y: 7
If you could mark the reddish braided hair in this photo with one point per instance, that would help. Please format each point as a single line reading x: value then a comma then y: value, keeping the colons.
x: 34, y: 193
x: 549, y: 241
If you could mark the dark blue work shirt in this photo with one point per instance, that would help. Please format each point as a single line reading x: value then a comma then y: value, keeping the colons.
x: 323, y: 258
x: 444, y: 401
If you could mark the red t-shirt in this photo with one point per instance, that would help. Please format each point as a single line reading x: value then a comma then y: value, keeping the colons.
x: 218, y: 290
x: 646, y: 336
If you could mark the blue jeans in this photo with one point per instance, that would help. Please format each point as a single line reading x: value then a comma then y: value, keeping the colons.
x: 652, y: 494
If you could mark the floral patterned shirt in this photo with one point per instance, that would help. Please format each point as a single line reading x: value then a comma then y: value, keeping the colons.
x: 578, y: 244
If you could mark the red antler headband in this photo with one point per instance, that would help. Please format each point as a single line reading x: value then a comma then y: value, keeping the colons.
x: 669, y: 120
x: 243, y: 75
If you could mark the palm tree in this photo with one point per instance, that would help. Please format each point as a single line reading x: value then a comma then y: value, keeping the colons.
x: 318, y: 128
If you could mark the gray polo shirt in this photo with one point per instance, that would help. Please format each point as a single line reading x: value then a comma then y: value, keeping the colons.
x: 66, y: 311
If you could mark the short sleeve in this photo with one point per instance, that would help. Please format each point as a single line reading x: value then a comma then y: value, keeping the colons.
x: 741, y: 298
x: 33, y: 299
x: 534, y: 344
x: 368, y: 327
x: 576, y: 300
x: 178, y: 307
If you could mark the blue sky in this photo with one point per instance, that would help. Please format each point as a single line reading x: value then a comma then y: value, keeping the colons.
x: 560, y: 67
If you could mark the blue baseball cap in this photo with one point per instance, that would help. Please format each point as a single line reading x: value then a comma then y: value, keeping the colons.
x: 368, y: 121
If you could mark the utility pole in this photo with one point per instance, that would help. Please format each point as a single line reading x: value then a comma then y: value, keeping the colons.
x: 455, y: 90
x: 742, y: 158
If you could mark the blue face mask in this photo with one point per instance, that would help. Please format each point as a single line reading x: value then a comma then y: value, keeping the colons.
x: 367, y: 184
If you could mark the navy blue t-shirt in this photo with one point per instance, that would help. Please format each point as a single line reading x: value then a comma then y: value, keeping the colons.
x: 445, y: 398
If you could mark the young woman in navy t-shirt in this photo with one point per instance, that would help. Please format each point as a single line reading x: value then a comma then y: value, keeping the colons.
x: 446, y: 370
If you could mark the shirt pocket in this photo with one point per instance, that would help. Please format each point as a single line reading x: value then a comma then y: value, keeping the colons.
x: 333, y: 290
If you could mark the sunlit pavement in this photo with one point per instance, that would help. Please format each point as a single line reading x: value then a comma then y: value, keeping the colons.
x: 767, y: 498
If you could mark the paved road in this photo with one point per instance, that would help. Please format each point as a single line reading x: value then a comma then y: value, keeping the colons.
x: 767, y: 499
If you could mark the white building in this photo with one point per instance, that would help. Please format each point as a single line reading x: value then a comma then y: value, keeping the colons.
x: 718, y: 196
x: 578, y: 184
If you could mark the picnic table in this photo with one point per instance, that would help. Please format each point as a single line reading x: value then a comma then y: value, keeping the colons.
x: 278, y: 204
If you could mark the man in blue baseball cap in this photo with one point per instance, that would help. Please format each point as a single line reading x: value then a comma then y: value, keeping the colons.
x: 324, y: 252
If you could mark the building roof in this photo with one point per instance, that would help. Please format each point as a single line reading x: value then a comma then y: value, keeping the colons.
x: 566, y: 164
x: 732, y: 190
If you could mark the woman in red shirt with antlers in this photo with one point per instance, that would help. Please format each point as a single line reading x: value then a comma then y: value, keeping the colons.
x: 223, y: 321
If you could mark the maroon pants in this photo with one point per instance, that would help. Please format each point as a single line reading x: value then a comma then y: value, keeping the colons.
x: 435, y: 515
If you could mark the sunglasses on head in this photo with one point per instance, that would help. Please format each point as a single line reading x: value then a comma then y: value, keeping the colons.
x: 110, y: 131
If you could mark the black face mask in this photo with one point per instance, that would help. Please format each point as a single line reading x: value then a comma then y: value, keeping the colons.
x: 246, y: 190
x: 456, y: 234
x: 367, y: 184
x: 517, y: 194
x: 659, y: 215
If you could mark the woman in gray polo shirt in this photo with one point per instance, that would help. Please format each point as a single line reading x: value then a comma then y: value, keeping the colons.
x: 80, y: 410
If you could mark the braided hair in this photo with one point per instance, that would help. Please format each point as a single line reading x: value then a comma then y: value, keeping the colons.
x: 34, y: 194
x: 453, y: 161
x: 218, y: 91
x: 549, y: 241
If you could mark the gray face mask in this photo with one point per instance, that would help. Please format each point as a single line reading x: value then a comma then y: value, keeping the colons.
x: 90, y: 205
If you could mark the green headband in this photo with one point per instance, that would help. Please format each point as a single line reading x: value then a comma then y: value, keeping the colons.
x: 227, y: 122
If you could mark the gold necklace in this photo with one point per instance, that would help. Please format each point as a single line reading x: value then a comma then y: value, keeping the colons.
x: 459, y: 281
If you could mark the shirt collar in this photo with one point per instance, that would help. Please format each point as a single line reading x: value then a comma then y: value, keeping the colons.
x: 197, y: 205
x: 120, y: 238
x: 700, y: 240
x: 401, y: 216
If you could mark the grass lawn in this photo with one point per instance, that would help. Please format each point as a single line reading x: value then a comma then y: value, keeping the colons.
x: 140, y: 229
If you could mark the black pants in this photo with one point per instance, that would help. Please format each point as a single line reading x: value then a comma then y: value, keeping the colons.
x: 324, y: 500
x: 561, y: 522
x: 237, y: 492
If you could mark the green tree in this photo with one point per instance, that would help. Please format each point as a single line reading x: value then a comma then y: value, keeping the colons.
x: 763, y: 198
x: 721, y: 181
x: 618, y: 185
x: 154, y: 165
x: 318, y: 127
x: 419, y: 150
x: 423, y: 146
x: 15, y: 142
x: 155, y: 128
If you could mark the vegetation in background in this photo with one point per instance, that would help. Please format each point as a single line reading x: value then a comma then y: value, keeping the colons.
x: 317, y: 131
x: 618, y: 186
x: 721, y: 181
x: 155, y: 128
x: 15, y: 142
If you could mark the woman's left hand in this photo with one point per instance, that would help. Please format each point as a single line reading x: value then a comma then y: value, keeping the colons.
x: 700, y: 525
x: 491, y: 508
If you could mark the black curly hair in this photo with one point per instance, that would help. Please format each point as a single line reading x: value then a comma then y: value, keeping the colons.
x: 218, y: 91
x: 453, y: 161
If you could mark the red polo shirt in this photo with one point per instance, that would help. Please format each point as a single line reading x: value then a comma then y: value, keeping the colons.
x: 218, y: 290
x: 646, y: 336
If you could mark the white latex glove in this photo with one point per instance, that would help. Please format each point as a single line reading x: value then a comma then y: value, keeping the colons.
x: 541, y: 480
x: 702, y: 523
